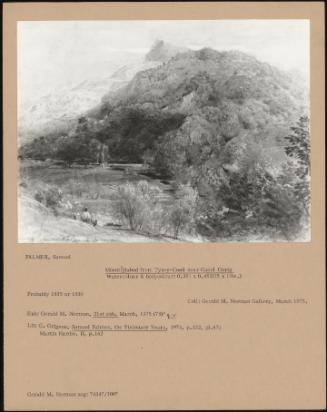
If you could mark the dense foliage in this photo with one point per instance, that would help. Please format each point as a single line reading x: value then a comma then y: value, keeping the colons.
x: 221, y: 123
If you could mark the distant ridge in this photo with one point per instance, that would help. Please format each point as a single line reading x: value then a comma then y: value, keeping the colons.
x: 163, y: 51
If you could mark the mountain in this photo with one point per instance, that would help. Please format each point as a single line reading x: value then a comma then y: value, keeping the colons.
x: 123, y: 75
x: 231, y: 76
x: 56, y: 112
x: 205, y: 94
x: 228, y: 129
x: 163, y: 51
x: 198, y: 111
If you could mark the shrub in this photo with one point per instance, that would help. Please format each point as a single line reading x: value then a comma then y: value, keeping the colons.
x: 39, y: 196
x: 252, y: 201
x: 182, y: 213
x: 23, y: 184
x: 137, y: 206
x: 53, y: 197
x: 49, y: 196
x: 179, y: 218
x: 140, y: 207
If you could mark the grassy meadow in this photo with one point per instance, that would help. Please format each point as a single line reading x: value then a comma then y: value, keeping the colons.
x: 80, y: 187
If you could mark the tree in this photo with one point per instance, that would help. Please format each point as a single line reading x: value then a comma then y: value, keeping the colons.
x: 67, y: 151
x: 135, y: 204
x: 82, y: 126
x: 182, y: 214
x: 298, y: 150
x: 298, y: 147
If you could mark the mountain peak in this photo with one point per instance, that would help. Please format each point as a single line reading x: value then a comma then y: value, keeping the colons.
x: 163, y: 51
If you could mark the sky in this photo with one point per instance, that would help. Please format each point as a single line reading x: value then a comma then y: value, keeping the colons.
x: 56, y: 54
